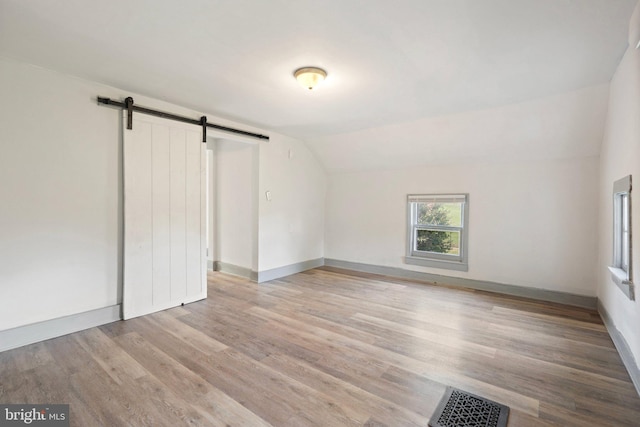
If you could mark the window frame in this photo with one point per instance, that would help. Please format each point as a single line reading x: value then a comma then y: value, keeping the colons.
x: 622, y: 265
x: 433, y: 259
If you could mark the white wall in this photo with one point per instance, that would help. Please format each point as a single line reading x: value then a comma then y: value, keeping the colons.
x: 61, y: 205
x: 530, y: 169
x: 236, y: 180
x: 556, y: 127
x: 620, y: 157
x: 61, y: 197
x: 531, y: 172
x: 530, y: 224
x: 291, y: 224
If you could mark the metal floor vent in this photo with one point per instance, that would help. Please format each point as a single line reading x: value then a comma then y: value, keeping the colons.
x: 458, y: 408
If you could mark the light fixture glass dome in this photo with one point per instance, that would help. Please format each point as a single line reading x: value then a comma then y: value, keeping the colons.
x: 310, y: 77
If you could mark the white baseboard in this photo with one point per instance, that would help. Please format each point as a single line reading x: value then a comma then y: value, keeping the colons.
x: 622, y: 346
x: 288, y: 270
x: 35, y: 332
x: 236, y: 270
x: 266, y: 275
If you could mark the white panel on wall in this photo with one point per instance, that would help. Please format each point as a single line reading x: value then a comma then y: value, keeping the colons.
x: 164, y: 255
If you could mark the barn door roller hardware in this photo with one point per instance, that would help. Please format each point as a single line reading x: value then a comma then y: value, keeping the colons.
x: 129, y: 105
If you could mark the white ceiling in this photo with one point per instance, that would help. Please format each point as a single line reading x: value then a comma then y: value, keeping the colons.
x: 388, y: 61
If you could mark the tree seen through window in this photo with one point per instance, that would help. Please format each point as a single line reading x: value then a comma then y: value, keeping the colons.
x: 439, y: 241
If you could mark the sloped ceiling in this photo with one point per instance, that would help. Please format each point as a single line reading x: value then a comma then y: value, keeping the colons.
x: 388, y: 62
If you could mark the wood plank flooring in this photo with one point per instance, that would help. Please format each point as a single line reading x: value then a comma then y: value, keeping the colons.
x: 327, y: 348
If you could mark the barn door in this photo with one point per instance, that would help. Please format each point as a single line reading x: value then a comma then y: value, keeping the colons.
x: 164, y: 215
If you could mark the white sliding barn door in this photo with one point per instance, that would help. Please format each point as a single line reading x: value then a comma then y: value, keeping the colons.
x: 164, y: 215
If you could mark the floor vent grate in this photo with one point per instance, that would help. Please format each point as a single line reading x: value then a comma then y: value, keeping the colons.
x: 458, y: 408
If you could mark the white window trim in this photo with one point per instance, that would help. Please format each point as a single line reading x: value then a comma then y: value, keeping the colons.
x: 621, y: 273
x: 434, y: 260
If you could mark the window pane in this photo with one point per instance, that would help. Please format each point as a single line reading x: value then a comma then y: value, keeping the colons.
x: 439, y: 214
x: 442, y: 242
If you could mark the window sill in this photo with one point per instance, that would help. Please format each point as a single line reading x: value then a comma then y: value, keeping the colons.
x: 621, y: 279
x: 437, y: 263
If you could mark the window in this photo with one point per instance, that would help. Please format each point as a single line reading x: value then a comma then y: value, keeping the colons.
x: 437, y: 230
x: 622, y: 267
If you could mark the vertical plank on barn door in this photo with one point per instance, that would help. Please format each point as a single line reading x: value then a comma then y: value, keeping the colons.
x: 138, y: 252
x: 164, y: 257
x: 193, y: 212
x: 161, y: 223
x: 178, y: 214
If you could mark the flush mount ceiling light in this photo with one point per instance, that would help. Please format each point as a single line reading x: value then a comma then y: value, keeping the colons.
x: 310, y: 77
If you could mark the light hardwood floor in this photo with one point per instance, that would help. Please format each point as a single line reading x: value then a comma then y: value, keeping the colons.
x: 325, y: 348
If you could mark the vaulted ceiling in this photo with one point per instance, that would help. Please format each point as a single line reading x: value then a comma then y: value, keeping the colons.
x: 388, y: 61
